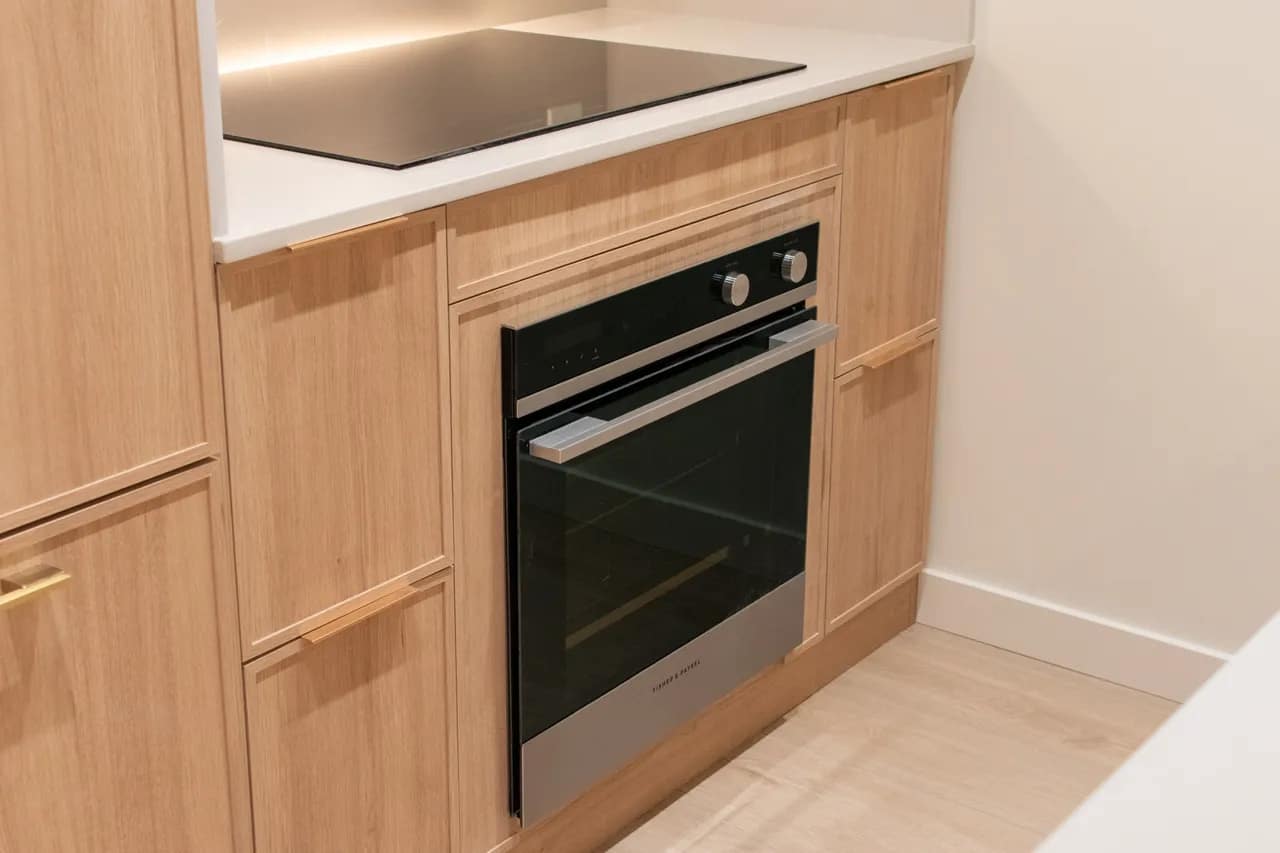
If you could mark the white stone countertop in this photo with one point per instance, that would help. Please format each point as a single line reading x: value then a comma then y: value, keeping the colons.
x: 275, y: 197
x: 1207, y: 780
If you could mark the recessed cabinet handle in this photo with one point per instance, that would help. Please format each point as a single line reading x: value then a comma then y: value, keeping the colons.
x: 26, y: 585
x: 360, y: 614
x: 912, y: 78
x: 900, y: 346
x: 362, y: 231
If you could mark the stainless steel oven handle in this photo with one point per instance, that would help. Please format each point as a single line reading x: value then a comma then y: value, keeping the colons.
x: 586, y: 434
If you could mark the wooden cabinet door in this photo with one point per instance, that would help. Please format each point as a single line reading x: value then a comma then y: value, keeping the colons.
x: 351, y: 736
x: 108, y: 330
x: 116, y: 733
x: 336, y: 371
x: 897, y: 143
x: 880, y: 462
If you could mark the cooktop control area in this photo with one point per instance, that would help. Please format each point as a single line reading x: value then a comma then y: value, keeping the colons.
x: 411, y: 103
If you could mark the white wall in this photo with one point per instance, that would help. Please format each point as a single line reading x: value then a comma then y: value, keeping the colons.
x: 211, y: 99
x: 944, y: 20
x: 262, y: 32
x: 1108, y: 440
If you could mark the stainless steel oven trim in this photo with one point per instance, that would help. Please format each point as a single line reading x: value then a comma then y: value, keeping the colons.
x: 605, y: 373
x: 563, y: 761
x: 587, y: 433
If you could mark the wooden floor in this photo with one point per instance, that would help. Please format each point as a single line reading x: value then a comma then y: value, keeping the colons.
x: 933, y: 743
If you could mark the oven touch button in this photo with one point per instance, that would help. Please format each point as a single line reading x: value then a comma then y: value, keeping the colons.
x: 735, y: 287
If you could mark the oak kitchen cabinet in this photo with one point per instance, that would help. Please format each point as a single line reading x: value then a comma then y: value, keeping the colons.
x: 116, y: 733
x: 880, y: 453
x: 342, y: 485
x: 108, y: 331
x: 897, y: 139
x: 351, y: 732
x: 897, y: 146
x: 125, y: 690
x: 121, y: 717
x: 336, y: 363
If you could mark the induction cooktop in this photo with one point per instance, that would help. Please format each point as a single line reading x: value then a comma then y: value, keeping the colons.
x: 411, y: 103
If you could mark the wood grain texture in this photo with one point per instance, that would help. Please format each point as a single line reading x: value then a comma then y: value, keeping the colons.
x: 121, y: 722
x: 478, y: 473
x: 502, y: 236
x: 609, y: 808
x: 897, y: 147
x: 352, y: 741
x: 934, y: 742
x: 815, y: 584
x: 108, y: 331
x: 337, y: 423
x: 881, y: 449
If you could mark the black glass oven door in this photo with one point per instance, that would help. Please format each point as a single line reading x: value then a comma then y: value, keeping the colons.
x: 647, y: 516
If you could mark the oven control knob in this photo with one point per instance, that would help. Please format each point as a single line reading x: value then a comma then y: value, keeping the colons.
x: 792, y: 265
x: 735, y: 287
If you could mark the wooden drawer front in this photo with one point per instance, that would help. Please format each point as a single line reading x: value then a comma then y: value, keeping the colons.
x: 113, y: 729
x: 508, y: 234
x: 351, y: 739
x: 337, y: 425
x: 896, y: 152
x: 108, y: 336
x: 879, y: 499
x: 484, y: 820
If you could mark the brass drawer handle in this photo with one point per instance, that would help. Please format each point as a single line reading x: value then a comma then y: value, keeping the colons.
x: 25, y: 585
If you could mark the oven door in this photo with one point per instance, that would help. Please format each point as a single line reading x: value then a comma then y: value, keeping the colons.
x: 645, y: 519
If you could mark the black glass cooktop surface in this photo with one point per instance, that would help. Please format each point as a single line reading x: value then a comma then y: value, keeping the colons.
x: 410, y: 103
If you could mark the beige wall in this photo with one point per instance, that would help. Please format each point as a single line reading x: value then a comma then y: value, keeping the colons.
x: 1108, y: 439
x: 258, y: 32
x: 945, y: 20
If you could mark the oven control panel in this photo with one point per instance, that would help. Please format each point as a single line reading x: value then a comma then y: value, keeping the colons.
x: 556, y: 357
x: 757, y: 273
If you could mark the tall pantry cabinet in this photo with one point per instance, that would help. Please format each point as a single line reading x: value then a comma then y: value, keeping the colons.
x: 116, y: 732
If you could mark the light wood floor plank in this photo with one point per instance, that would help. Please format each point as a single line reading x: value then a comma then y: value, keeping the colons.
x: 933, y: 743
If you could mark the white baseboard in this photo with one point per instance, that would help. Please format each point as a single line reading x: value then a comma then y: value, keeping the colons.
x: 1165, y: 666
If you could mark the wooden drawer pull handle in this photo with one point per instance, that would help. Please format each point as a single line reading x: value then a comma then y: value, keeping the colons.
x: 360, y: 231
x: 913, y: 78
x: 24, y: 586
x: 898, y: 347
x: 360, y: 614
x: 901, y: 81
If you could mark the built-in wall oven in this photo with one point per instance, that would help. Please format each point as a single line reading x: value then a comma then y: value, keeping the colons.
x: 657, y: 475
